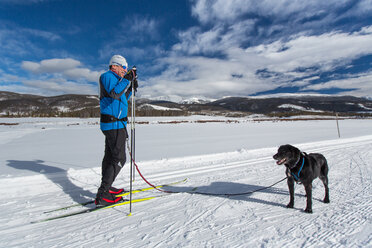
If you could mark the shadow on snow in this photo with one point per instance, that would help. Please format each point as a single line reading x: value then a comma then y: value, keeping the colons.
x: 57, y: 175
x: 224, y: 189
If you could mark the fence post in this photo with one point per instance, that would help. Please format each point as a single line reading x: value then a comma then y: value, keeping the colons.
x: 338, y: 129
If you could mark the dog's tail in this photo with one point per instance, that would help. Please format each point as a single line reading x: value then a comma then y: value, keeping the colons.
x: 324, y: 168
x: 323, y: 165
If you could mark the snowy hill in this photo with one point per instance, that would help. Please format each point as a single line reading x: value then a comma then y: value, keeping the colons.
x: 195, y: 100
x: 53, y: 162
x: 12, y: 104
x: 296, y: 104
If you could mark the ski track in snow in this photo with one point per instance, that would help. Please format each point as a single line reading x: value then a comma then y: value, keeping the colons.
x: 194, y: 220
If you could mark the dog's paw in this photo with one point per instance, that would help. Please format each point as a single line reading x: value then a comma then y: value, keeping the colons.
x: 290, y: 205
x: 308, y: 210
x: 326, y: 200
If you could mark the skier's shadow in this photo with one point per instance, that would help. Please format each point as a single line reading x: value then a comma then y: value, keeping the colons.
x: 56, y: 175
x: 244, y: 192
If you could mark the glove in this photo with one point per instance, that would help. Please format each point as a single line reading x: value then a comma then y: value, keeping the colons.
x: 131, y: 75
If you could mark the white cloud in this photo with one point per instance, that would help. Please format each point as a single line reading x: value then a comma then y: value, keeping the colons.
x: 243, y: 23
x: 213, y: 77
x: 45, y: 85
x: 328, y: 50
x: 76, y: 73
x: 54, y: 77
x: 209, y: 10
x: 50, y: 65
x: 59, y: 87
x: 190, y: 76
x: 194, y: 41
x: 139, y: 27
x: 215, y: 40
x: 212, y: 11
x: 360, y: 85
x: 69, y: 68
x: 292, y: 41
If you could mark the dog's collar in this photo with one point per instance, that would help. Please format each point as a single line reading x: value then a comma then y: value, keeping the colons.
x: 297, y: 177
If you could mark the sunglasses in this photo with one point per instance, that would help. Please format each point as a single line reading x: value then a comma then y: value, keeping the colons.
x: 124, y: 67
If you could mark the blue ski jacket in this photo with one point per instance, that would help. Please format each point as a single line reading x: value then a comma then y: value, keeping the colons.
x: 114, y: 96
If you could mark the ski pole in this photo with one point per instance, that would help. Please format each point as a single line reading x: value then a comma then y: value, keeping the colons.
x: 132, y: 133
x: 133, y: 151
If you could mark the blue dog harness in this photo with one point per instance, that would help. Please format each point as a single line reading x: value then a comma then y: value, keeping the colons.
x: 297, y: 177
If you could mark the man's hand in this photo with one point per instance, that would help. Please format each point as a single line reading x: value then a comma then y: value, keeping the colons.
x: 131, y: 75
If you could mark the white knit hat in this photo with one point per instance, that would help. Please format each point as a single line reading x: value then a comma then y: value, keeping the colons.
x: 118, y: 60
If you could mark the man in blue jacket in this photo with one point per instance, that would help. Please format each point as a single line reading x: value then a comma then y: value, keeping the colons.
x: 115, y: 91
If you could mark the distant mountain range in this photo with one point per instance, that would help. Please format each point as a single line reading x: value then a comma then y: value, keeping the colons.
x: 14, y: 104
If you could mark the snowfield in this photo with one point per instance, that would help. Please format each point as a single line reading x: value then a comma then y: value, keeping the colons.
x: 48, y: 163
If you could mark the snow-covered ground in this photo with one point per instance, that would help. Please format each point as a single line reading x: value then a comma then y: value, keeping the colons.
x: 47, y: 163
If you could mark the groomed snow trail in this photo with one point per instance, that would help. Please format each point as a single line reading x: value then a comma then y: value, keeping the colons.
x: 194, y: 220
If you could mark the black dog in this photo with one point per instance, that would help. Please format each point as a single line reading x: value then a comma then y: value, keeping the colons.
x: 303, y: 168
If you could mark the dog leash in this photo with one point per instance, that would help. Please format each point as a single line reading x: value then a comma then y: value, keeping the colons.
x: 200, y: 193
x: 235, y: 194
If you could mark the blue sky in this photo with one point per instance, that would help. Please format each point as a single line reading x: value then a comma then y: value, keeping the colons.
x: 189, y: 48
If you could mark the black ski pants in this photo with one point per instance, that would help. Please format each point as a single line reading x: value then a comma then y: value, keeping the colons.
x: 114, y: 158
